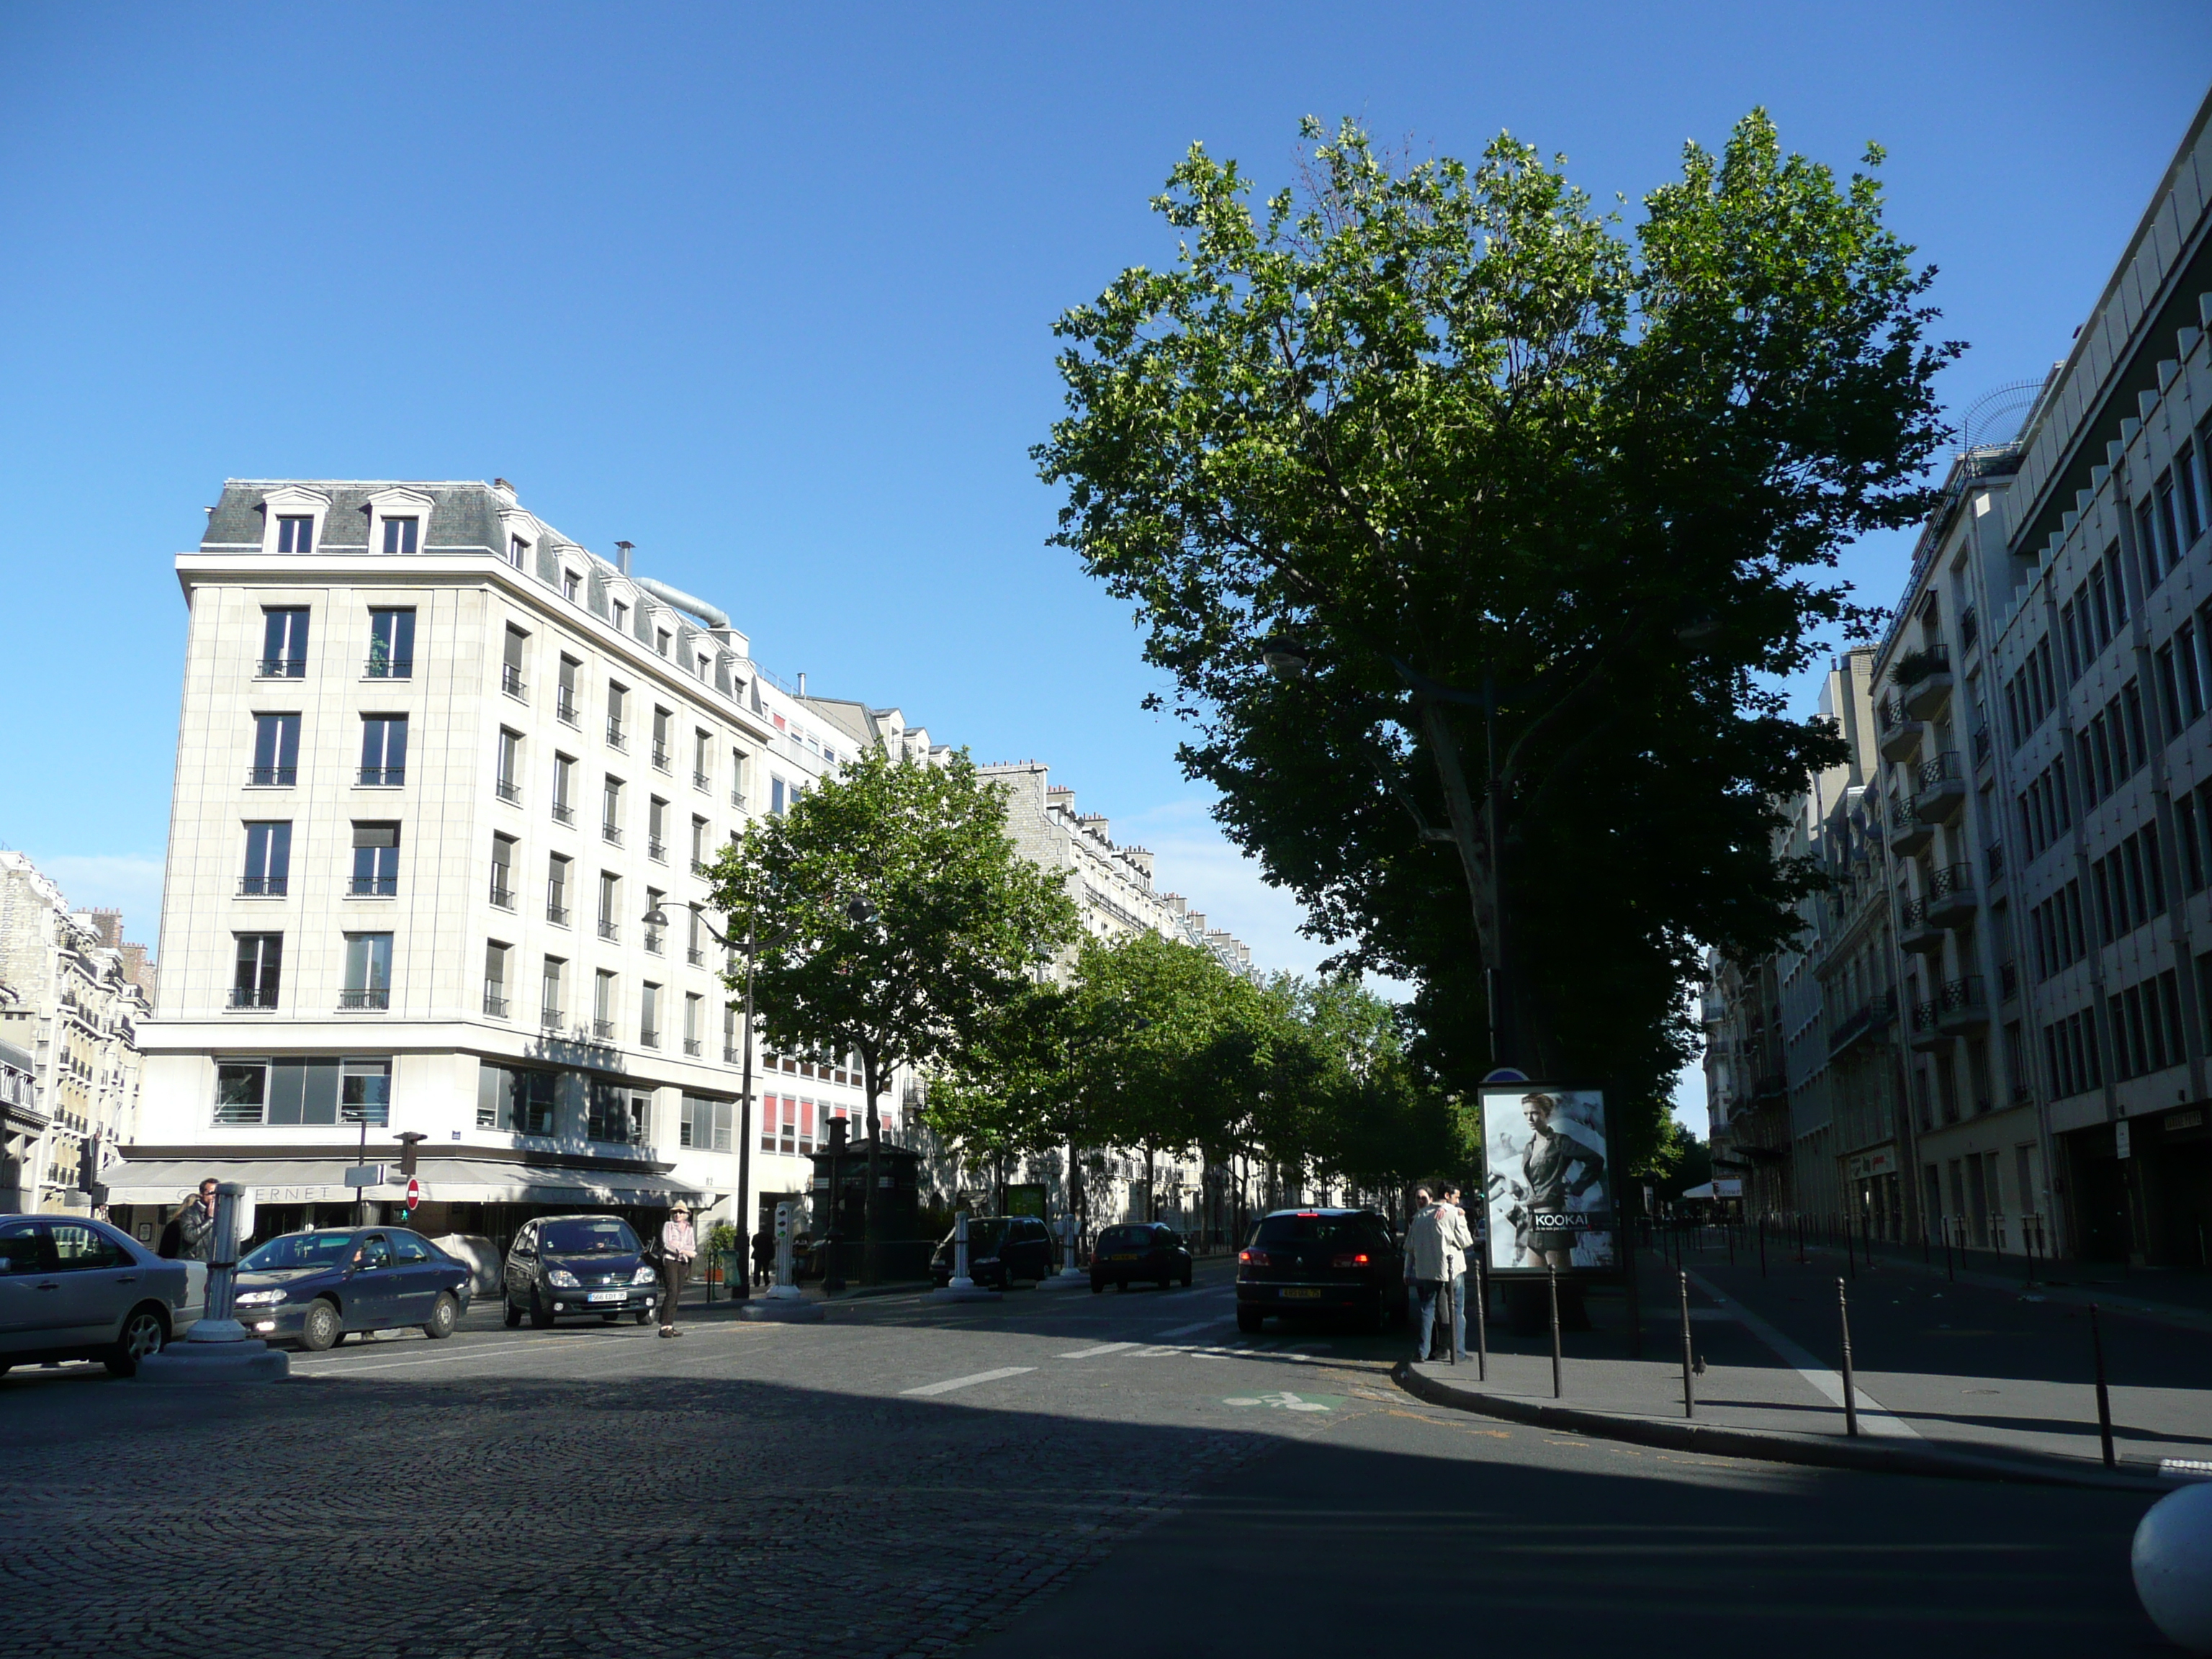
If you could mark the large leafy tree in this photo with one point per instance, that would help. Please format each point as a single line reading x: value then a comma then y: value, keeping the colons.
x: 893, y: 918
x: 1547, y: 509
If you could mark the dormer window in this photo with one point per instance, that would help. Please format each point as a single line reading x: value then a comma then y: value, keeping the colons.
x: 400, y: 535
x: 622, y: 617
x: 518, y: 551
x: 570, y: 584
x: 662, y: 640
x: 296, y: 534
x: 292, y: 520
x: 396, y: 521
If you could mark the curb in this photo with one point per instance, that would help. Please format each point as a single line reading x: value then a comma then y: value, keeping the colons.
x: 1766, y: 1445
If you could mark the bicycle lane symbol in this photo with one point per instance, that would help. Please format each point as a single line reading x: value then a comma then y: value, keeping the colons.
x: 1286, y: 1401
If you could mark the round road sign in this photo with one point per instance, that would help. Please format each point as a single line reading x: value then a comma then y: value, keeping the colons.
x: 414, y: 1192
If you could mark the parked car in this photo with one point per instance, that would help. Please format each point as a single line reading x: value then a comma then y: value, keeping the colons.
x: 1321, y: 1261
x: 1000, y: 1249
x: 564, y: 1267
x: 73, y: 1289
x: 313, y: 1287
x: 1148, y: 1250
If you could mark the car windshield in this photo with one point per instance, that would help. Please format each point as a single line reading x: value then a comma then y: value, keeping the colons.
x: 604, y: 1236
x: 1315, y: 1230
x: 983, y: 1236
x: 1126, y: 1238
x: 300, y: 1251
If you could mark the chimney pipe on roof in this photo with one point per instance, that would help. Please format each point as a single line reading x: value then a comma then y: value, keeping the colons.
x: 802, y: 681
x: 623, y: 548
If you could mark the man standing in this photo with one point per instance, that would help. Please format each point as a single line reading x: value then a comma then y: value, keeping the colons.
x: 763, y: 1256
x: 1426, y: 1273
x: 196, y: 1225
x: 678, y: 1245
x: 1458, y: 1241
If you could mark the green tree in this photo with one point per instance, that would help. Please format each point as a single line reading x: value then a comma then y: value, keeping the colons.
x: 1549, y: 510
x: 894, y: 920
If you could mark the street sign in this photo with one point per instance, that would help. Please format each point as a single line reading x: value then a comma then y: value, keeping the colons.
x: 1505, y: 1074
x: 413, y: 1194
x: 364, y: 1175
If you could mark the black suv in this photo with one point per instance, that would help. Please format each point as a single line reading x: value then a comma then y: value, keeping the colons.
x: 1001, y: 1249
x: 567, y: 1266
x: 1144, y: 1249
x: 1321, y: 1261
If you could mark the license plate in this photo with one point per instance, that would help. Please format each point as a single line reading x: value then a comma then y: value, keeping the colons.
x: 1315, y: 1295
x: 609, y: 1296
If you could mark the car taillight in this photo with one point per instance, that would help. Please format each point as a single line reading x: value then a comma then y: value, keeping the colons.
x: 1254, y: 1258
x: 1358, y: 1260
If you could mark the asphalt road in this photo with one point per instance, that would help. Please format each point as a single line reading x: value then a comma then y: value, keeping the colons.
x: 1056, y: 1474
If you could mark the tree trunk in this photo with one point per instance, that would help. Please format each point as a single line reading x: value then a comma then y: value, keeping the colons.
x: 869, y: 1203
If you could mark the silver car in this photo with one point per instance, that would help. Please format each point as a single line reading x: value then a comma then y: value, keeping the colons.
x: 77, y: 1289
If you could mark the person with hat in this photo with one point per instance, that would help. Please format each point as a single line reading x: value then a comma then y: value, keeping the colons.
x: 679, y: 1245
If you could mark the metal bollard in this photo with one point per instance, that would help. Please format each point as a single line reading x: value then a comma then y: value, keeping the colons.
x: 1689, y: 1385
x: 1949, y: 1274
x: 1444, y: 1312
x: 1481, y: 1323
x: 1850, y: 1387
x: 2104, y: 1394
x: 1551, y: 1273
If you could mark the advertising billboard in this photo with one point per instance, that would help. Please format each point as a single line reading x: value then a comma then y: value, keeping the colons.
x: 1547, y: 1193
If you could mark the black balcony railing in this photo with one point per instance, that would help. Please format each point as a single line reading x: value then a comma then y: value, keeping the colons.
x: 383, y: 776
x: 614, y: 738
x: 1981, y: 745
x: 2008, y: 980
x: 495, y: 999
x: 389, y: 668
x: 563, y: 813
x: 378, y: 997
x: 649, y: 1038
x: 1870, y: 1015
x: 1970, y: 628
x: 610, y: 931
x: 550, y: 1019
x: 1993, y: 860
x: 1913, y: 913
x: 272, y: 777
x: 660, y: 756
x: 502, y: 895
x: 696, y: 956
x: 507, y: 790
x: 603, y: 1028
x: 254, y: 996
x: 1951, y: 881
x: 656, y: 849
x: 263, y: 886
x: 510, y: 681
x: 1941, y: 768
x: 564, y: 706
x: 700, y: 780
x: 691, y: 1047
x: 1923, y: 1016
x: 1964, y: 995
x: 1891, y: 713
x: 282, y: 668
x: 374, y: 887
x: 611, y: 834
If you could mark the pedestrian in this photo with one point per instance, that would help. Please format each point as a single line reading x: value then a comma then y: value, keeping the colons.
x: 1458, y: 1239
x: 678, y: 1245
x: 195, y: 1225
x: 763, y: 1256
x: 1426, y: 1270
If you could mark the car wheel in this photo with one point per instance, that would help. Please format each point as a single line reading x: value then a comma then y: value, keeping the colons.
x: 445, y: 1314
x: 143, y: 1336
x: 1249, y: 1319
x: 322, y: 1328
x: 541, y: 1316
x: 512, y: 1316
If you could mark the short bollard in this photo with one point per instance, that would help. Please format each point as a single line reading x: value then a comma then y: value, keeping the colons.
x: 1850, y: 1387
x: 1553, y: 1273
x: 1689, y: 1385
x: 1444, y: 1317
x: 1481, y: 1323
x: 2104, y: 1394
x: 1949, y: 1274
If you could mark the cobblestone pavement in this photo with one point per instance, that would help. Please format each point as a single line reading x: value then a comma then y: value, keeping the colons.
x: 745, y: 1490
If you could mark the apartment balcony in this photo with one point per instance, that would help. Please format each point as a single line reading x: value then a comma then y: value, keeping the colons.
x: 2008, y: 980
x: 263, y: 886
x: 610, y: 833
x: 654, y: 942
x: 1970, y: 628
x: 374, y: 1000
x: 730, y: 1056
x: 388, y: 668
x: 614, y: 738
x: 1868, y: 1017
x: 1908, y: 836
x: 1963, y: 1009
x: 556, y: 911
x: 738, y: 798
x: 700, y: 781
x: 1942, y: 789
x: 660, y: 756
x: 1926, y: 1038
x: 696, y: 956
x: 382, y: 777
x: 1993, y: 863
x: 280, y: 668
x: 510, y: 681
x: 502, y: 895
x: 495, y: 1000
x: 691, y: 1047
x: 564, y: 813
x: 656, y: 849
x: 1775, y: 1086
x: 550, y: 1019
x: 253, y: 996
x: 1951, y: 899
x: 1983, y: 748
x: 610, y: 931
x: 604, y: 1029
x: 1900, y: 735
x: 701, y: 867
x: 507, y: 790
x: 271, y: 777
x: 1929, y: 689
x: 1915, y: 932
x: 649, y: 1038
x: 564, y: 706
x: 373, y: 886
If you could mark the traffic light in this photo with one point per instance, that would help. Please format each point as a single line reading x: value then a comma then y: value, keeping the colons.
x: 408, y: 1142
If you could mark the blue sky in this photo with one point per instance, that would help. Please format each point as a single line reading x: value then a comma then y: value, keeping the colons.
x: 769, y: 293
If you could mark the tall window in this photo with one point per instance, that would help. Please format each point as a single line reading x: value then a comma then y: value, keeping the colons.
x: 602, y: 1004
x: 375, y: 860
x: 610, y: 810
x: 564, y: 694
x: 503, y: 872
x: 564, y: 781
x: 609, y: 906
x: 695, y: 951
x: 365, y: 1091
x: 705, y: 1123
x: 399, y: 535
x: 275, y: 750
x: 571, y: 584
x: 702, y: 749
x: 556, y: 891
x: 614, y: 1113
x: 258, y: 971
x: 508, y: 781
x: 737, y: 778
x: 516, y: 1099
x: 648, y: 1014
x: 699, y: 856
x: 283, y: 643
x: 616, y: 698
x: 661, y: 719
x: 268, y: 860
x: 652, y: 935
x: 510, y: 668
x: 549, y: 993
x: 392, y: 645
x: 775, y: 796
x: 518, y: 552
x: 622, y: 617
x: 384, y: 749
x: 368, y: 971
x: 656, y: 829
x: 295, y: 535
x: 694, y: 1018
x: 495, y: 963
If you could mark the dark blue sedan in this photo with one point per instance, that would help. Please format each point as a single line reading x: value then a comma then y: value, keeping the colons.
x: 313, y: 1287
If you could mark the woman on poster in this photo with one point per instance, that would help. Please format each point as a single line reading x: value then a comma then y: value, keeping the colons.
x: 1556, y: 1170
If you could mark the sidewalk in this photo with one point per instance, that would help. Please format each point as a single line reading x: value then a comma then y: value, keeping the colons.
x: 1985, y: 1376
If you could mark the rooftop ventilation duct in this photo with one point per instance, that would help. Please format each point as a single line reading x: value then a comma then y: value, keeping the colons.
x: 710, y: 615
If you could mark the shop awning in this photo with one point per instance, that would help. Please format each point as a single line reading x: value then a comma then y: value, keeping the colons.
x: 443, y: 1180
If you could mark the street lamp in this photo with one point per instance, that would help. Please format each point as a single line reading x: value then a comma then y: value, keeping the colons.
x: 1286, y: 656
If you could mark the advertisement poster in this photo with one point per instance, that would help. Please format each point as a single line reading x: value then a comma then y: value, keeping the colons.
x: 1548, y: 1190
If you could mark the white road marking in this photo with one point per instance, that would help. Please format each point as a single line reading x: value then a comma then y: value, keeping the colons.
x: 948, y: 1386
x: 1874, y: 1417
x: 1185, y: 1330
x: 1093, y: 1353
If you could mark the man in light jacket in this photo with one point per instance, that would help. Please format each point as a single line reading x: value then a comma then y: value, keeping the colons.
x: 1436, y: 1254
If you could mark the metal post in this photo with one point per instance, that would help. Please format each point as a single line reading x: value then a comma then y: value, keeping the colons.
x: 1446, y: 1308
x: 1762, y: 1247
x: 2104, y: 1394
x: 1850, y: 1387
x: 1689, y: 1384
x: 1729, y: 1228
x: 1481, y: 1320
x: 1950, y: 1274
x: 1551, y: 1272
x: 742, y: 1209
x: 222, y: 1266
x: 960, y: 1280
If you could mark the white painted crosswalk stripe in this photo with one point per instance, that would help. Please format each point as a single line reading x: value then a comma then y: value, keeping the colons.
x: 1093, y: 1353
x: 1185, y: 1330
x: 951, y: 1383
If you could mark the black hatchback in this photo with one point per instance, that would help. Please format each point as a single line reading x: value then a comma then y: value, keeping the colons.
x: 1320, y: 1261
x: 1147, y: 1250
x: 1000, y: 1249
x: 567, y: 1266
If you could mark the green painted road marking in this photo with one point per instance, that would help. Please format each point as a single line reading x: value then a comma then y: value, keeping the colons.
x: 1287, y: 1401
